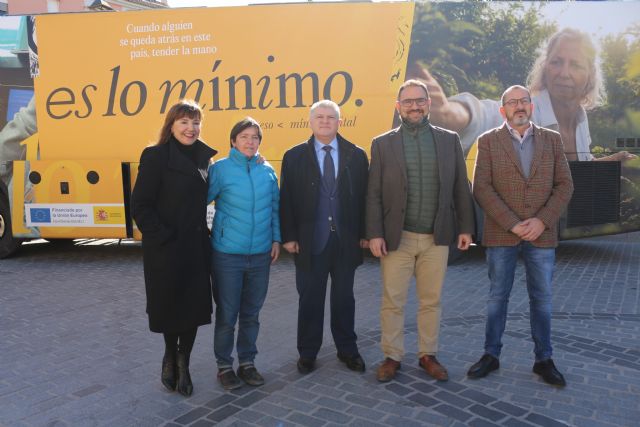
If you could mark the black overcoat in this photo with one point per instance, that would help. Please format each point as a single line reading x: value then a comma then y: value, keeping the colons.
x: 169, y: 205
x: 299, y: 185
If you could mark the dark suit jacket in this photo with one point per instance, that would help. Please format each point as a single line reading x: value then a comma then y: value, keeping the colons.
x: 169, y: 205
x: 507, y: 197
x: 387, y: 192
x: 299, y: 183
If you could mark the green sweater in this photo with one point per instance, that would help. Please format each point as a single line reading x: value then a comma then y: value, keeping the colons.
x: 422, y: 177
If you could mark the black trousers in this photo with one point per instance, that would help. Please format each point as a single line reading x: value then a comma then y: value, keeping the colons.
x: 312, y: 290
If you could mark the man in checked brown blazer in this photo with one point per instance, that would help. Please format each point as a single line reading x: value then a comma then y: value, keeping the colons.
x: 523, y: 183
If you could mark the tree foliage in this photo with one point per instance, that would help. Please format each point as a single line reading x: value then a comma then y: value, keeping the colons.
x: 620, y: 116
x: 485, y: 47
x: 478, y: 47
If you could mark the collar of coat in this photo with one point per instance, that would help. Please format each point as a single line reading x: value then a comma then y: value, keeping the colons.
x: 179, y: 162
x: 504, y: 139
x: 345, y: 151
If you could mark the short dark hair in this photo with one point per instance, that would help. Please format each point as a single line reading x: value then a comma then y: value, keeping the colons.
x: 243, y: 124
x: 413, y: 82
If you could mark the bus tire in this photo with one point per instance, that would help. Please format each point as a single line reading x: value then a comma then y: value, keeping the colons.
x: 8, y: 244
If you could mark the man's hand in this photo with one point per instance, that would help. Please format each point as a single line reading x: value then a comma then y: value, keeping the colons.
x: 364, y: 243
x: 519, y: 229
x: 464, y: 241
x: 275, y: 252
x: 533, y: 229
x: 291, y: 247
x: 378, y: 247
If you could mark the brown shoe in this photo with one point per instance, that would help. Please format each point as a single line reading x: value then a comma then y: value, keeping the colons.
x: 431, y: 365
x: 387, y: 370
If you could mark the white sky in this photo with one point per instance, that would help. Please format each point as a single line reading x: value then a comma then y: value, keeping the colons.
x: 595, y: 17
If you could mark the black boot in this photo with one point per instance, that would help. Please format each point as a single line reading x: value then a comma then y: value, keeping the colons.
x: 184, y: 387
x: 168, y: 376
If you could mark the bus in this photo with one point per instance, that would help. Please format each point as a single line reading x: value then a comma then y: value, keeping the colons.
x: 82, y: 94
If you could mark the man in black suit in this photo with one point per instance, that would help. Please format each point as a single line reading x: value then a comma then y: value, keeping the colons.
x: 322, y: 200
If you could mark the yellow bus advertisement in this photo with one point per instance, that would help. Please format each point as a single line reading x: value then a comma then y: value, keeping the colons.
x: 81, y: 95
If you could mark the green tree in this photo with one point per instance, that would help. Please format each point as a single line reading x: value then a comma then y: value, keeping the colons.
x: 620, y: 116
x: 477, y: 47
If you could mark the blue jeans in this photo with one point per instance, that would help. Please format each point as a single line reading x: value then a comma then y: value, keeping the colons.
x: 539, y: 264
x: 240, y: 285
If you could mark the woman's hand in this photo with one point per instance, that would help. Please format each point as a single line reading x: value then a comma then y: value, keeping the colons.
x: 623, y: 156
x: 292, y: 247
x: 442, y: 112
x: 620, y: 156
x: 275, y: 252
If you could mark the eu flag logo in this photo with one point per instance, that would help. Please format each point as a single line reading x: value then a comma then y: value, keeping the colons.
x: 40, y: 215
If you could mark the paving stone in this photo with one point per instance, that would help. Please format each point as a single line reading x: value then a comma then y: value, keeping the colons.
x: 509, y: 408
x: 357, y: 422
x: 273, y: 386
x: 479, y: 422
x: 368, y: 413
x: 297, y: 405
x: 271, y: 410
x: 202, y: 423
x: 220, y: 401
x: 398, y: 389
x: 423, y: 400
x: 394, y: 420
x: 193, y: 415
x: 589, y: 422
x: 544, y: 421
x: 452, y: 412
x: 596, y: 335
x: 360, y: 400
x: 250, y: 399
x: 451, y: 386
x: 223, y: 413
x: 330, y: 415
x: 514, y: 422
x: 248, y: 415
x: 274, y: 422
x: 423, y: 387
x: 306, y: 420
x: 395, y: 408
x: 477, y: 396
x: 485, y: 412
x: 328, y: 402
x: 452, y: 399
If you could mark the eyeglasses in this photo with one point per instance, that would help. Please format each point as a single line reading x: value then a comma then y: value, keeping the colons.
x: 514, y: 102
x: 420, y: 102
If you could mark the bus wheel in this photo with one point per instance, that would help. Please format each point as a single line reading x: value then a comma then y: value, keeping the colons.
x: 8, y: 244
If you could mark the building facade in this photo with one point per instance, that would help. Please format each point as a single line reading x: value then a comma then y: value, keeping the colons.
x: 31, y: 7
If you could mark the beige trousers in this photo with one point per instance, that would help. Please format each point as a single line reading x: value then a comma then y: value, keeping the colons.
x: 417, y: 254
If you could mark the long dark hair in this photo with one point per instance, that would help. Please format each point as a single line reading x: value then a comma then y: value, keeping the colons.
x: 185, y: 107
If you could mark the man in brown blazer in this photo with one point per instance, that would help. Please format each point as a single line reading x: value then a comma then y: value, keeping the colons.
x: 523, y: 183
x: 418, y: 203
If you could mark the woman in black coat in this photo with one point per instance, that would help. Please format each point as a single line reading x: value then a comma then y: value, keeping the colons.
x: 169, y: 205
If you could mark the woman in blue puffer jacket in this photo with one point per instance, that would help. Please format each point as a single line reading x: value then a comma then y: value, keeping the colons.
x: 245, y: 239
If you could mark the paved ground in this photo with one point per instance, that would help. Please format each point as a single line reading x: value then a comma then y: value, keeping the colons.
x: 75, y: 350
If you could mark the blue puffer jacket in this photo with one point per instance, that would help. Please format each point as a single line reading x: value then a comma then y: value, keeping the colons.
x: 247, y: 202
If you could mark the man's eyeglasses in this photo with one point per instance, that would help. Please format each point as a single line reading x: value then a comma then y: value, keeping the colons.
x: 513, y: 102
x: 420, y: 102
